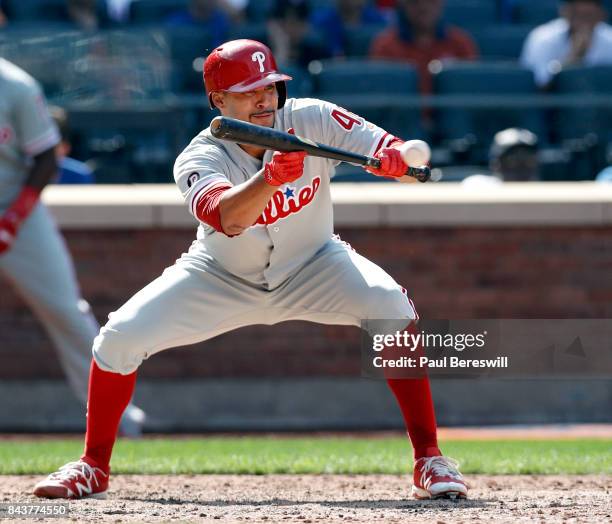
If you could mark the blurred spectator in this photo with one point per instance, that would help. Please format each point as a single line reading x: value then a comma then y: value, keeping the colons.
x: 3, y: 19
x: 85, y: 15
x: 71, y: 171
x: 236, y: 9
x: 580, y: 36
x: 204, y: 14
x: 334, y: 21
x: 387, y: 8
x: 290, y: 34
x: 421, y: 36
x: 513, y: 157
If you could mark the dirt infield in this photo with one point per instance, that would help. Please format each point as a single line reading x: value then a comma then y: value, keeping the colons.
x: 333, y: 498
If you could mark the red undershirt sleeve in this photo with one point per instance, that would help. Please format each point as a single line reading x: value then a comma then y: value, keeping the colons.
x: 207, y: 206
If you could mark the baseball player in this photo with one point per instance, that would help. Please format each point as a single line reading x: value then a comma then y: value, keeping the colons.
x: 265, y: 253
x: 33, y: 256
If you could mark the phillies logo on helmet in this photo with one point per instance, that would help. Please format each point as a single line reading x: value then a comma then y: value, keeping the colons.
x: 258, y: 56
x: 240, y: 66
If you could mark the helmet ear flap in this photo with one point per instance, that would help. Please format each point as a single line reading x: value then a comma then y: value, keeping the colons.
x: 281, y: 88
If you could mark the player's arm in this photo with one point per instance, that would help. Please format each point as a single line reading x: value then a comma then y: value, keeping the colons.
x: 345, y: 130
x: 38, y: 136
x: 242, y: 205
x: 43, y: 170
x: 231, y: 209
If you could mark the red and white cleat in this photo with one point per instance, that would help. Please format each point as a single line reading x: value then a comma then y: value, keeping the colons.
x: 75, y: 480
x: 438, y: 477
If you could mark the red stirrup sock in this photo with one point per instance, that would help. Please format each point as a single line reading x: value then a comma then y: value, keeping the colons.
x: 109, y: 394
x: 414, y: 398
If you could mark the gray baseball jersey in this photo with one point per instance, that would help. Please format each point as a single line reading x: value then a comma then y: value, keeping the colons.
x: 26, y: 129
x: 299, y: 218
x: 288, y: 266
x: 38, y: 264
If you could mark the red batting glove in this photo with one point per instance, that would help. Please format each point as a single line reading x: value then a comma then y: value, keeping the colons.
x: 15, y: 215
x: 391, y: 163
x: 284, y: 167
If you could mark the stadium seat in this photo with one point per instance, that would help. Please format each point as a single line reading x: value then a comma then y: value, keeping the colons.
x: 105, y: 65
x: 358, y: 40
x: 577, y: 122
x: 45, y: 52
x: 131, y: 145
x: 301, y: 85
x: 536, y: 12
x: 470, y: 14
x: 318, y: 4
x: 43, y: 11
x: 585, y: 130
x: 252, y: 31
x: 153, y: 12
x: 188, y: 50
x: 372, y: 89
x: 478, y: 125
x: 501, y: 41
x: 258, y: 11
x: 365, y: 77
x: 35, y: 10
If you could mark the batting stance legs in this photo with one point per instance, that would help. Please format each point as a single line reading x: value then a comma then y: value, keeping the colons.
x: 189, y: 303
x: 238, y: 274
x: 195, y: 300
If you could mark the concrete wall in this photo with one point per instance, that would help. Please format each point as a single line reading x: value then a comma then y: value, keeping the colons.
x: 521, y: 251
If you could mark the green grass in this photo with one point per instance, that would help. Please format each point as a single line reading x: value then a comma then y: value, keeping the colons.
x: 261, y: 455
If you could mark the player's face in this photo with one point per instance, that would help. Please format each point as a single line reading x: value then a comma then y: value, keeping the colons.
x: 583, y: 16
x: 257, y: 107
x: 423, y: 14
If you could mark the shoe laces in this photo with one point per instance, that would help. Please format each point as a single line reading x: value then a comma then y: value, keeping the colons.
x: 74, y: 470
x: 440, y: 466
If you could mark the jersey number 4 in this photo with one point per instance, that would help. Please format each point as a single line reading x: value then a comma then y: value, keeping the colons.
x: 346, y: 120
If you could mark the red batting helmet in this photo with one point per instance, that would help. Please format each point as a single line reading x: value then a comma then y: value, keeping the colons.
x: 240, y: 66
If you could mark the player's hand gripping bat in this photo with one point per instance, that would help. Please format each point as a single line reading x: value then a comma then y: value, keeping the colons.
x: 234, y: 130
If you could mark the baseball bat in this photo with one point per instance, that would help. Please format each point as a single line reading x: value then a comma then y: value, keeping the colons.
x: 242, y: 132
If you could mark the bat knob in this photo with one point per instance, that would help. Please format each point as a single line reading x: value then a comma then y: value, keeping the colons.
x: 422, y: 174
x: 215, y: 124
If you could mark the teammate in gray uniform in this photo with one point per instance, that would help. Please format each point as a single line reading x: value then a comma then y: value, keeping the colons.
x: 33, y: 256
x: 265, y: 253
